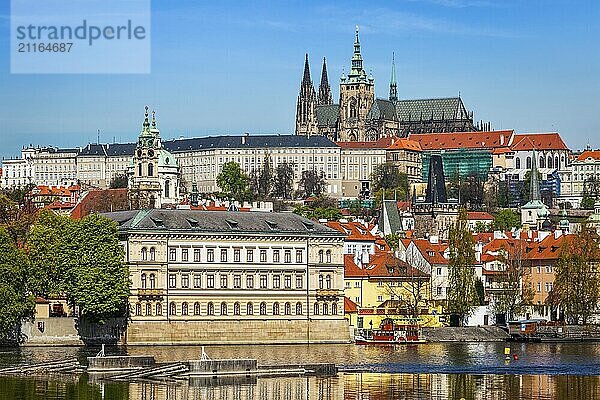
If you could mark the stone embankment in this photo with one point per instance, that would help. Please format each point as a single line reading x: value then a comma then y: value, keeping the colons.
x: 465, y: 334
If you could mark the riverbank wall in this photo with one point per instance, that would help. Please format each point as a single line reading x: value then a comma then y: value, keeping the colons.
x: 68, y: 331
x: 465, y: 334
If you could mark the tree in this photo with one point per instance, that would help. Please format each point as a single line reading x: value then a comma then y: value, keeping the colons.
x: 462, y: 296
x: 283, y: 181
x: 16, y: 218
x: 411, y: 287
x: 328, y: 213
x: 587, y: 202
x: 312, y: 183
x: 16, y: 301
x: 119, y: 181
x: 505, y: 220
x: 261, y: 181
x: 234, y: 182
x: 515, y: 292
x: 468, y: 190
x: 393, y: 240
x: 577, y: 281
x: 387, y: 177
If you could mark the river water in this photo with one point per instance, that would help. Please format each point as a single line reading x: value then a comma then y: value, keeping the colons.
x: 432, y: 371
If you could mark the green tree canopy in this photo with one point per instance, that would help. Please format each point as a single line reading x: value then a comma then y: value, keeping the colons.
x: 119, y: 181
x: 234, y: 182
x: 387, y: 176
x: 505, y: 220
x: 283, y: 181
x: 312, y: 183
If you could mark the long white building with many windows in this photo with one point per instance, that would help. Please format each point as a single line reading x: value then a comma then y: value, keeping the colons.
x: 234, y: 277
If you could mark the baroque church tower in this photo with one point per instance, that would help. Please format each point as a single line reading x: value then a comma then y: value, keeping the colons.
x: 306, y: 115
x: 356, y: 97
x: 325, y: 97
x: 393, y: 87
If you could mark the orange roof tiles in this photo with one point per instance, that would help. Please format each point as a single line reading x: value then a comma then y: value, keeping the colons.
x: 538, y: 141
x: 479, y: 215
x: 354, y: 231
x: 595, y: 154
x: 463, y: 140
x: 350, y: 306
x: 381, y: 265
x: 405, y: 144
x: 432, y: 252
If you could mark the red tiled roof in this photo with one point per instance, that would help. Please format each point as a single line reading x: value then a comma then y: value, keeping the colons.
x: 432, y: 252
x: 403, y: 205
x: 101, y: 201
x: 595, y: 154
x: 548, y: 249
x: 382, y: 143
x: 405, y: 144
x: 350, y: 306
x: 380, y: 265
x: 354, y: 231
x: 463, y: 140
x: 479, y: 215
x: 538, y: 141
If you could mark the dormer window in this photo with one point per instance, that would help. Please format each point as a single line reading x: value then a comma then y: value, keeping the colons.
x: 272, y: 225
x: 232, y: 224
x: 193, y: 223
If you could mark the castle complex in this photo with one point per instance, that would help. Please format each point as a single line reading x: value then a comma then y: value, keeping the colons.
x: 360, y: 116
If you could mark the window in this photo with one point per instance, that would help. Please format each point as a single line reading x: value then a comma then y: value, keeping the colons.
x: 184, y: 308
x: 236, y: 255
x: 158, y: 308
x: 275, y: 256
x: 149, y: 309
x: 184, y: 254
x: 288, y: 309
x: 379, y: 298
x: 210, y: 309
x: 172, y: 254
x: 249, y: 309
x: 439, y: 271
x: 287, y: 282
x: 275, y: 308
x: 185, y: 281
x: 237, y: 281
x: 263, y: 256
x: 172, y: 281
x: 298, y: 308
x: 518, y: 163
x: 196, y: 255
x: 150, y: 169
x: 210, y: 255
x: 357, y: 284
x: 320, y: 281
x: 276, y: 281
x: 138, y: 309
x: 249, y: 255
x: 152, y: 254
x: 223, y: 281
x: 299, y: 256
x: 197, y: 280
x: 325, y: 309
x: 223, y: 308
x: 223, y: 255
x: 328, y: 281
x: 263, y: 308
x: 328, y: 256
x: 172, y: 309
x: 320, y: 256
x: 210, y: 281
x: 334, y: 309
x: 263, y: 281
x: 250, y: 281
x: 287, y: 258
x: 140, y: 169
x: 438, y: 290
x: 316, y: 309
x: 299, y: 282
x: 152, y: 281
x: 196, y: 308
x: 144, y: 254
x: 236, y: 308
x: 143, y: 279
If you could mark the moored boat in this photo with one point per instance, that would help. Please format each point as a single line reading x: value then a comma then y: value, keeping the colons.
x: 390, y: 333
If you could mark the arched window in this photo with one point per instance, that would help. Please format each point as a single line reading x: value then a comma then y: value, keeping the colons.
x: 158, y: 308
x: 325, y: 309
x: 210, y: 310
x: 549, y: 164
x: 196, y: 308
x: 152, y: 254
x: 143, y: 281
x: 316, y: 309
x: 150, y: 169
x: 140, y: 169
x: 320, y: 281
x: 167, y: 185
x: 172, y: 308
x: 334, y: 308
x: 223, y: 308
x: 263, y: 308
x: 298, y: 308
x: 556, y: 165
x: 275, y: 308
x: 517, y: 163
x: 249, y: 309
x: 144, y: 254
x: 353, y: 108
x: 542, y: 162
x: 328, y: 281
x: 138, y: 309
x: 320, y: 256
x: 236, y: 308
x: 148, y: 309
x: 328, y: 256
x: 152, y: 281
x: 528, y: 163
x: 287, y: 309
x: 184, y: 308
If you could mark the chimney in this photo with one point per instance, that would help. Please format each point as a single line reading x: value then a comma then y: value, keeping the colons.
x: 502, y: 140
x: 557, y: 233
x: 434, y: 239
x: 245, y: 138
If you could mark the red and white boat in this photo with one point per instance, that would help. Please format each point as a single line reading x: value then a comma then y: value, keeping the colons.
x: 390, y: 333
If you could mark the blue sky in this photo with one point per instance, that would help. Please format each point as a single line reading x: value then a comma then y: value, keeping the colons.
x: 232, y: 67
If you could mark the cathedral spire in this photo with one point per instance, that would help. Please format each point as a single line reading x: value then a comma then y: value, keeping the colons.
x: 306, y: 75
x: 325, y: 96
x: 146, y: 123
x: 357, y: 73
x: 307, y: 102
x: 534, y: 183
x: 393, y: 87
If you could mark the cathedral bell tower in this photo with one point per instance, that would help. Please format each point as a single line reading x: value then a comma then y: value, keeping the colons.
x: 306, y: 114
x: 356, y: 97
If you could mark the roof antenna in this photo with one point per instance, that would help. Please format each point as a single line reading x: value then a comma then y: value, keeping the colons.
x: 98, y: 142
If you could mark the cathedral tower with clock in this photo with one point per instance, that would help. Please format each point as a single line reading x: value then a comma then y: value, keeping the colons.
x: 154, y: 172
